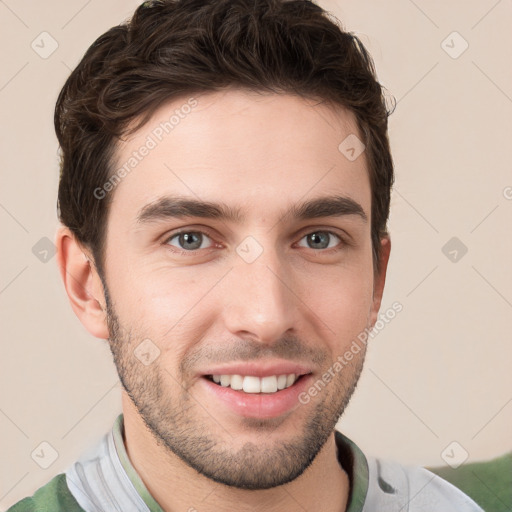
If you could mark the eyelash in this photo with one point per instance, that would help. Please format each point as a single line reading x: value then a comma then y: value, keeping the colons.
x: 194, y: 252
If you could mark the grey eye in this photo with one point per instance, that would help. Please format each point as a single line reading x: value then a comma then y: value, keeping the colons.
x: 189, y: 240
x: 320, y: 240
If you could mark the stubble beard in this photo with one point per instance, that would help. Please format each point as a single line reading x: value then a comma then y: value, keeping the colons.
x: 180, y: 424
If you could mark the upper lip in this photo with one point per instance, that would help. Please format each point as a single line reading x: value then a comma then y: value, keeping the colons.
x: 259, y: 369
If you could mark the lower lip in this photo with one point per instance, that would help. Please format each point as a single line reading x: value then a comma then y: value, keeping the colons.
x: 258, y: 405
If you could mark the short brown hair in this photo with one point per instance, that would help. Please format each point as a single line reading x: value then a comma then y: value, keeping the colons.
x: 171, y: 48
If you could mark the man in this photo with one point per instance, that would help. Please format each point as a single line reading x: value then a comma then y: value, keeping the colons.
x: 224, y: 193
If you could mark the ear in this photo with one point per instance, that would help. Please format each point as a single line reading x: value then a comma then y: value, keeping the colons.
x: 82, y: 282
x: 380, y: 279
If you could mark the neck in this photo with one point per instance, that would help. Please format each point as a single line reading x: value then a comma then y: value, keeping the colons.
x: 177, y: 486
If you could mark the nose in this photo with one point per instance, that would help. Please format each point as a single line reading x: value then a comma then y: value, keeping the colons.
x: 261, y: 300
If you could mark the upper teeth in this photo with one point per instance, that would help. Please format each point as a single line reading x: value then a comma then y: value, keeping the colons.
x: 251, y: 384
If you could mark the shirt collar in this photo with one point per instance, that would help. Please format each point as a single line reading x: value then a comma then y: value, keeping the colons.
x: 354, y: 462
x: 118, y: 433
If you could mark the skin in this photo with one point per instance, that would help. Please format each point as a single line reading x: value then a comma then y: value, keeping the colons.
x: 262, y: 154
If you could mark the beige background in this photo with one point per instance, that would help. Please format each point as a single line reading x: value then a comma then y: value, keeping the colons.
x: 438, y: 373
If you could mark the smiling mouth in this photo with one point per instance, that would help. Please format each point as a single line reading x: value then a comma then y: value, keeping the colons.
x: 256, y: 385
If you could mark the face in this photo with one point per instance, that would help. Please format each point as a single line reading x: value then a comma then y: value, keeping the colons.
x: 264, y: 285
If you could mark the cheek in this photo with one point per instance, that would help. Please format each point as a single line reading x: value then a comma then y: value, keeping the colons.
x: 147, y: 294
x: 342, y: 299
x: 168, y: 306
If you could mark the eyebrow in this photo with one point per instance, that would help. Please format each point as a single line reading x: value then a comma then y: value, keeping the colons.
x: 169, y: 207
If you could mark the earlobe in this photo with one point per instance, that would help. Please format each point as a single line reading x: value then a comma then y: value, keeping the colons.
x: 82, y: 282
x: 380, y: 279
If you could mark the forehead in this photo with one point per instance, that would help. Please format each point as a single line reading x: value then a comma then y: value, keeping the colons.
x: 243, y: 148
